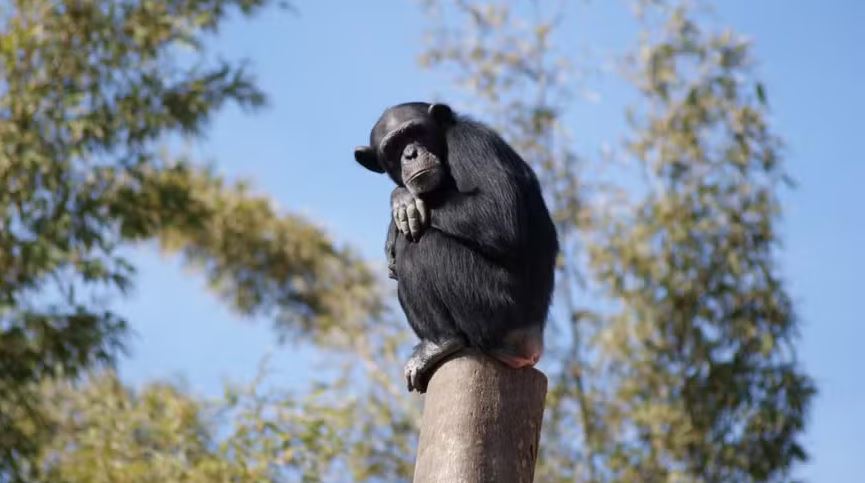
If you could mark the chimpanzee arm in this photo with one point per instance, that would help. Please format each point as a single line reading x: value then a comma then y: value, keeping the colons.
x: 491, y: 219
x: 390, y: 249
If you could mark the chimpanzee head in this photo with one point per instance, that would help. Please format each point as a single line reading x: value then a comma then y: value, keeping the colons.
x: 408, y: 142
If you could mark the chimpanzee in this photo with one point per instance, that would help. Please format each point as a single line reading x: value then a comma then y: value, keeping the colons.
x: 470, y: 241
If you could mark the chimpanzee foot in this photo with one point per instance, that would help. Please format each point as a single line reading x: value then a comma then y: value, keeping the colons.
x: 420, y: 365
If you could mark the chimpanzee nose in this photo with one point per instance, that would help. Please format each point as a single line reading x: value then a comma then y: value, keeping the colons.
x: 410, y: 151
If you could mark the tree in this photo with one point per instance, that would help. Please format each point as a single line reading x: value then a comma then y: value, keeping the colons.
x: 685, y: 369
x: 103, y: 430
x: 679, y: 365
x: 706, y: 326
x: 95, y: 429
x: 89, y: 91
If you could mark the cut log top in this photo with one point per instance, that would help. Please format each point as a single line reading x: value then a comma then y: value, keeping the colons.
x: 481, y: 422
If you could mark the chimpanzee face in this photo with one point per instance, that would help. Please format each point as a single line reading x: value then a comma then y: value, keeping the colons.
x: 408, y: 142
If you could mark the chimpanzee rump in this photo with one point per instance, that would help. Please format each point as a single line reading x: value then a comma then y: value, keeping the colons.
x: 471, y: 241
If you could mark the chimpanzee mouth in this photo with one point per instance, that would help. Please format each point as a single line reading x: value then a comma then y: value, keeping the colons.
x: 418, y: 174
x: 424, y: 181
x: 421, y: 166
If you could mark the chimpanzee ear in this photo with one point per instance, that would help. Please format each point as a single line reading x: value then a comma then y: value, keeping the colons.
x: 442, y: 113
x: 365, y: 155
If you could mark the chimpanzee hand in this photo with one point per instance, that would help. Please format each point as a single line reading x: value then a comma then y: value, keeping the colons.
x: 409, y: 213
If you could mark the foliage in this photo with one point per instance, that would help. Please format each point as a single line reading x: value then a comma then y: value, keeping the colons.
x: 705, y: 325
x: 103, y: 430
x: 673, y: 356
x: 682, y: 366
x: 107, y: 432
x: 89, y: 90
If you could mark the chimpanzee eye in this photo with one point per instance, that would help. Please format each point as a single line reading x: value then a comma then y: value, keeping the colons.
x: 397, y: 141
x: 393, y: 150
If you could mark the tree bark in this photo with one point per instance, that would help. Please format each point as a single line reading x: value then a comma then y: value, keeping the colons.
x: 481, y: 422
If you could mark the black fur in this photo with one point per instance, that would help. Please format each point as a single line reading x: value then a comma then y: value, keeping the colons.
x: 484, y: 267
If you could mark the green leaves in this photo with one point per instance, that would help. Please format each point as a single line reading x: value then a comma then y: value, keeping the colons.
x: 679, y: 365
x: 715, y: 323
x: 668, y: 369
x: 98, y: 429
x: 260, y: 261
x: 89, y: 90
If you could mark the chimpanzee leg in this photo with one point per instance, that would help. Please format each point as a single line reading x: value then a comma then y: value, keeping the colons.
x: 419, y: 280
x: 439, y: 337
x: 426, y: 355
x: 487, y: 303
x: 454, y: 297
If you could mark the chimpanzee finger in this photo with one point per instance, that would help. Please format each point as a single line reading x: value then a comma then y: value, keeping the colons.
x: 402, y: 221
x: 413, y: 220
x: 421, y: 209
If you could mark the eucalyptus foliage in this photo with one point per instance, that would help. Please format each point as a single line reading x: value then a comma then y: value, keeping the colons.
x: 105, y: 431
x: 671, y: 355
x: 680, y: 364
x: 90, y: 93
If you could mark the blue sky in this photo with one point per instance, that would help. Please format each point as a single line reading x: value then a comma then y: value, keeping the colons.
x: 332, y: 68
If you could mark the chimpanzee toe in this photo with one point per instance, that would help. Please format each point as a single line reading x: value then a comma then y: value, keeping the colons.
x: 416, y: 375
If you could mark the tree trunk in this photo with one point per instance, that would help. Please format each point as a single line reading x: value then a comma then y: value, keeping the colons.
x: 481, y: 422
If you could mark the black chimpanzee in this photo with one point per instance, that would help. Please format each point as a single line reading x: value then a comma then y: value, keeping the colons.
x: 471, y: 241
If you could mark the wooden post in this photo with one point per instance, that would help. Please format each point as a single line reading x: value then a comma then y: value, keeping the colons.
x: 481, y: 422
